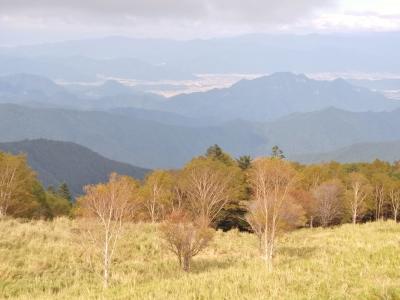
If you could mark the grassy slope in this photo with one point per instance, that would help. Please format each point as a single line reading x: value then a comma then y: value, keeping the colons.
x: 42, y: 260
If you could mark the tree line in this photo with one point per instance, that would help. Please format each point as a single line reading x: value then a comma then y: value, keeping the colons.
x: 266, y: 196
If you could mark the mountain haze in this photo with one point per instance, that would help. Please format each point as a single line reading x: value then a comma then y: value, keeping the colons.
x: 280, y: 94
x: 151, y: 144
x: 363, y: 152
x: 39, y: 91
x: 253, y: 53
x: 139, y: 142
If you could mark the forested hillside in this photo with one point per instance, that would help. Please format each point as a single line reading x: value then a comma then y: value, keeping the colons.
x: 65, y: 162
x: 136, y: 138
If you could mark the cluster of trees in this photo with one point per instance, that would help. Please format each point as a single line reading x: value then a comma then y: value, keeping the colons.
x: 22, y: 195
x: 266, y: 196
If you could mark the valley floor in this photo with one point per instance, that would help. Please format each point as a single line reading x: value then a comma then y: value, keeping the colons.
x: 46, y: 260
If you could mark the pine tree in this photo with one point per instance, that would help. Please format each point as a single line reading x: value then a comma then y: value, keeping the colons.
x: 64, y: 192
x: 244, y: 162
x: 216, y: 153
x: 277, y: 153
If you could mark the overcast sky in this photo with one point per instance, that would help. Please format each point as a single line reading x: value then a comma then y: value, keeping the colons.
x: 34, y: 21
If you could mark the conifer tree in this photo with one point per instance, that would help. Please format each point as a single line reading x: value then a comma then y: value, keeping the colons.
x: 64, y: 192
x: 277, y: 153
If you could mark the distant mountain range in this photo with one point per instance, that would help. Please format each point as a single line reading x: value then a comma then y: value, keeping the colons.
x: 56, y: 162
x: 330, y: 129
x: 363, y: 152
x: 263, y: 99
x: 38, y: 91
x: 81, y: 68
x: 136, y: 141
x: 378, y: 84
x: 271, y: 97
x: 151, y: 144
x: 257, y: 53
x: 299, y: 114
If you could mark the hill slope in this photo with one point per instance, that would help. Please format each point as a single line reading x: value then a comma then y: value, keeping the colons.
x: 147, y: 143
x: 280, y: 94
x: 363, y: 152
x: 46, y: 260
x: 330, y: 129
x: 139, y: 142
x: 56, y: 162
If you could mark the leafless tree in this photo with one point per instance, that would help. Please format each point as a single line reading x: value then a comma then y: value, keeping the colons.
x: 360, y: 190
x: 328, y: 200
x: 271, y: 181
x: 394, y: 194
x: 207, y: 188
x: 184, y: 237
x: 380, y: 193
x: 157, y: 195
x: 105, y: 208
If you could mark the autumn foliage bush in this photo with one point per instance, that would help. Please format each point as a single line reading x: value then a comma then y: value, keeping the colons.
x: 185, y: 237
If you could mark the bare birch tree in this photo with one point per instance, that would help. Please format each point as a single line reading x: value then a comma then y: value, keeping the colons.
x: 360, y: 190
x: 394, y: 194
x: 328, y: 201
x: 208, y: 185
x: 271, y: 181
x: 105, y: 208
x: 157, y: 195
x: 379, y: 182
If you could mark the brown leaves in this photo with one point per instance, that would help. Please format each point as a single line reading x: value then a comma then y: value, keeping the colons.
x: 184, y: 237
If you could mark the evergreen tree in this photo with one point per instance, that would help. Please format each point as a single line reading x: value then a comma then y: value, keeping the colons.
x: 244, y: 162
x: 277, y: 153
x: 215, y: 152
x: 64, y: 192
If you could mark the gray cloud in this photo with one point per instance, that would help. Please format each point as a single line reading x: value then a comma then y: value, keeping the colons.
x: 249, y: 11
x: 37, y: 21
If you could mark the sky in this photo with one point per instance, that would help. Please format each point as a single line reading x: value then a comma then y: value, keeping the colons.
x: 38, y: 21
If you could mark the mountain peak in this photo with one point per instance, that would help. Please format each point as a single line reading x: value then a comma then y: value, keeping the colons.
x: 274, y: 78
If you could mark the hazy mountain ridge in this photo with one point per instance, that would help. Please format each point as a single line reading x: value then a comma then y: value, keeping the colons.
x: 139, y: 142
x: 280, y: 94
x: 255, y: 53
x: 363, y: 152
x: 39, y: 91
x: 330, y: 129
x: 81, y: 68
x: 378, y: 84
x: 56, y: 162
x: 262, y: 99
x: 152, y: 144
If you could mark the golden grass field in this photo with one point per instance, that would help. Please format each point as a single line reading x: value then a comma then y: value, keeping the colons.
x: 45, y: 260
